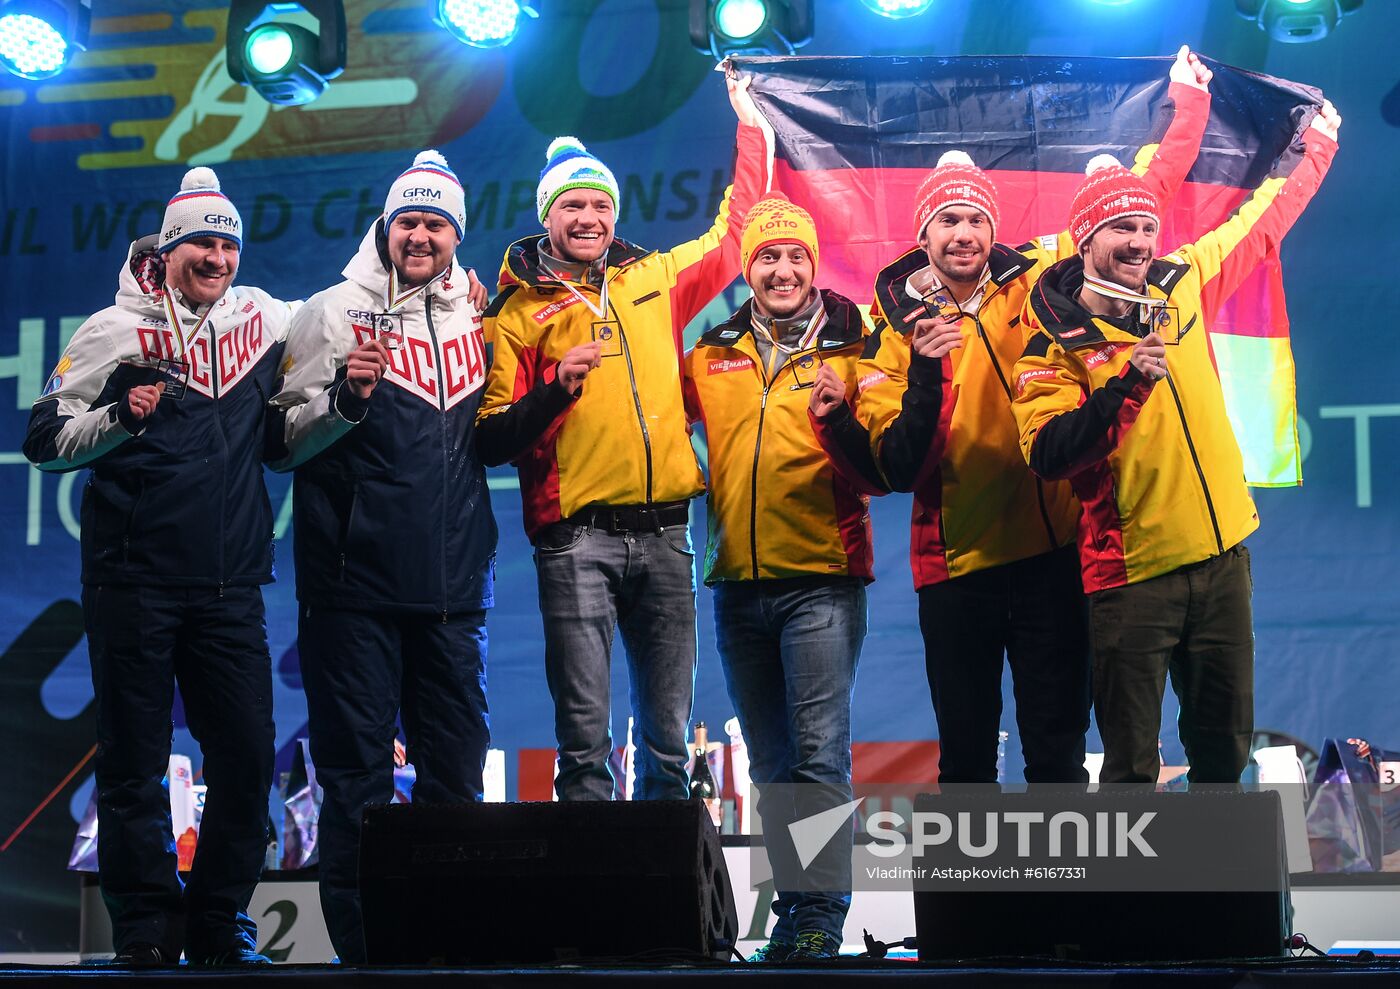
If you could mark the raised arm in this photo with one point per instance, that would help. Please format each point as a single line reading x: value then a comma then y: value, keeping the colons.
x: 700, y: 269
x: 1164, y: 165
x: 1225, y: 256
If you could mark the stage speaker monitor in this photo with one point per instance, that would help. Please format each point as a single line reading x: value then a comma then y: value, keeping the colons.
x: 528, y: 883
x: 1157, y: 922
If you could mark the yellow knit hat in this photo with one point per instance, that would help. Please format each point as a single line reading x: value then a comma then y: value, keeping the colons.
x: 775, y: 219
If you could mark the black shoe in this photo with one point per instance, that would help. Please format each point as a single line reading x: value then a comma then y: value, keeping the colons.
x: 143, y: 956
x: 241, y: 955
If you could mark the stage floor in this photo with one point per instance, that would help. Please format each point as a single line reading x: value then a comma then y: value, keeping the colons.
x: 843, y: 972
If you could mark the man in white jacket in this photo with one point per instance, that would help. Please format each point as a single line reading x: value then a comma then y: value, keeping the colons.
x: 394, y: 537
x: 164, y: 395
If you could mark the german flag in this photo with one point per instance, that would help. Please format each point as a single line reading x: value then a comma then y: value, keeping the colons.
x: 854, y: 136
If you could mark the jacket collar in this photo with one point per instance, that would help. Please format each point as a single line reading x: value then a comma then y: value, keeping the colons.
x: 902, y: 310
x: 370, y: 267
x: 1055, y: 303
x: 522, y: 262
x: 844, y: 325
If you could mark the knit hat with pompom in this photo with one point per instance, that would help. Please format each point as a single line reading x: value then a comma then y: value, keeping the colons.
x: 199, y: 209
x: 568, y: 165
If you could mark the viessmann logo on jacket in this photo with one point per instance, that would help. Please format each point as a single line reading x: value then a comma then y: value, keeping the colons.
x: 239, y: 350
x: 416, y: 368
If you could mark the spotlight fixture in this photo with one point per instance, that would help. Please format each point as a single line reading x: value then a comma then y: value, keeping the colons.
x: 285, y: 62
x: 38, y: 37
x: 1296, y: 21
x: 750, y: 27
x: 898, y: 8
x: 482, y: 23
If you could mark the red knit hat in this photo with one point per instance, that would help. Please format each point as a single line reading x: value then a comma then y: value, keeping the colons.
x: 1109, y: 192
x: 955, y: 182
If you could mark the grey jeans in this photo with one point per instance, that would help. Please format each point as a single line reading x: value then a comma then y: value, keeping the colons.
x: 592, y: 582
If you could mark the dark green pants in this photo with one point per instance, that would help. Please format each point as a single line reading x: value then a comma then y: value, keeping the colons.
x: 1195, y: 625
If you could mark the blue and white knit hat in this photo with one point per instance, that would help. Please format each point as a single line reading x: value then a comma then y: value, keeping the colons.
x: 428, y: 186
x: 568, y: 165
x: 199, y: 209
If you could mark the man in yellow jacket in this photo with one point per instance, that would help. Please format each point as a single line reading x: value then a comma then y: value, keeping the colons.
x: 1117, y: 392
x: 789, y: 552
x: 991, y: 545
x: 584, y: 397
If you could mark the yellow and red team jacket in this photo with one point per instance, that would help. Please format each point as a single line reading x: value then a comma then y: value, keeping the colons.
x: 1157, y: 467
x: 951, y: 437
x: 625, y: 439
x: 778, y: 506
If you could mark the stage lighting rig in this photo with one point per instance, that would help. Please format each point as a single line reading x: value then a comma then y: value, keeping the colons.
x: 482, y: 23
x: 38, y: 37
x: 750, y: 27
x: 283, y: 60
x: 1296, y: 21
x: 898, y: 8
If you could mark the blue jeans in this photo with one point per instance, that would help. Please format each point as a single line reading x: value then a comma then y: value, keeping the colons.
x: 592, y: 582
x: 361, y: 671
x: 789, y: 650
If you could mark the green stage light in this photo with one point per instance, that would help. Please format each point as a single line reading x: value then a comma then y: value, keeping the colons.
x: 284, y: 62
x: 268, y: 49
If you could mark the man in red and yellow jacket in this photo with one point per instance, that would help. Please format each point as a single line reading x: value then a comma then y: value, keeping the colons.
x: 991, y: 544
x: 1140, y: 430
x: 606, y: 467
x: 789, y: 551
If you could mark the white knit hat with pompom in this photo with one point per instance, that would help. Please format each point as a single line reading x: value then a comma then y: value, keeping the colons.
x: 199, y: 209
x: 428, y: 186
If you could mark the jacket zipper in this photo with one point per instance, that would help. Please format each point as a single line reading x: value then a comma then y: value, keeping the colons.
x: 753, y: 485
x: 1006, y: 387
x: 223, y: 435
x: 442, y: 422
x: 1201, y: 474
x: 636, y: 399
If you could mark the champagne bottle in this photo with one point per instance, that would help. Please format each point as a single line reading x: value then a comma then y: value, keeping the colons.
x: 702, y: 781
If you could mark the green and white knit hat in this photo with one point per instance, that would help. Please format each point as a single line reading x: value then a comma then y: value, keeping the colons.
x: 568, y: 165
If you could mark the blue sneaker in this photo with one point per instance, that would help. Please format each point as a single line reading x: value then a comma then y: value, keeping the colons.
x: 235, y: 956
x: 814, y: 946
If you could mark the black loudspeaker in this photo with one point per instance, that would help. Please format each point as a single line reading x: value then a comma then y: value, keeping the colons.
x: 1127, y: 925
x: 484, y: 884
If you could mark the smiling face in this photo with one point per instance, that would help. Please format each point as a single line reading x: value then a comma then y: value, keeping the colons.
x: 781, y: 278
x: 958, y: 241
x: 421, y: 246
x: 202, y: 268
x: 580, y: 225
x: 1121, y: 250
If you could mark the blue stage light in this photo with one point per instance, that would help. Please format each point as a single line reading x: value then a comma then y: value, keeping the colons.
x: 38, y: 37
x: 898, y: 8
x: 482, y: 23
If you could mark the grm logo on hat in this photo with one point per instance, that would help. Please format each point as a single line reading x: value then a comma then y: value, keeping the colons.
x: 423, y: 193
x: 218, y: 221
